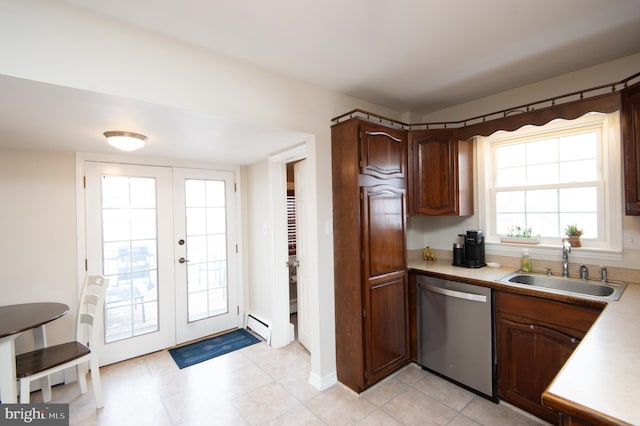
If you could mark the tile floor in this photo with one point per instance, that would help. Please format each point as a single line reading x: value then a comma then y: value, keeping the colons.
x: 262, y: 385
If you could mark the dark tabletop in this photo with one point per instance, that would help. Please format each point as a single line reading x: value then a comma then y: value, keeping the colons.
x: 22, y: 317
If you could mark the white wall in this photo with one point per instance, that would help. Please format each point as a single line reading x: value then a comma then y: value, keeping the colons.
x: 605, y: 73
x: 259, y: 241
x: 38, y: 228
x: 440, y: 232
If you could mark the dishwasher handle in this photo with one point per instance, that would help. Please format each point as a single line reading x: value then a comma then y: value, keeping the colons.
x: 454, y: 293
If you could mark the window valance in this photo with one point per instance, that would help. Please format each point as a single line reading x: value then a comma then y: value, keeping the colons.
x: 604, y: 103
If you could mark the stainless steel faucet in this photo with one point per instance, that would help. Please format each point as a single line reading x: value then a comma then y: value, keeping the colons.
x: 584, y: 272
x: 566, y: 249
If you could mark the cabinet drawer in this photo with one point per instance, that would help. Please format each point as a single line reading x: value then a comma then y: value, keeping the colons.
x: 560, y: 314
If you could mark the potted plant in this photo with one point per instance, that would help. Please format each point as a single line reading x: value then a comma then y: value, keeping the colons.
x: 518, y: 234
x: 573, y: 233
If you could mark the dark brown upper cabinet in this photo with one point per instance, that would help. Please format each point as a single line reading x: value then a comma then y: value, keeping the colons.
x: 631, y: 148
x: 440, y: 173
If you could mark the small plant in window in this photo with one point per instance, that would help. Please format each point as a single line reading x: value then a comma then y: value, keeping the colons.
x: 519, y: 234
x: 574, y: 233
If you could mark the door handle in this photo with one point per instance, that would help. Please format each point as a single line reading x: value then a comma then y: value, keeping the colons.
x: 454, y: 293
x: 182, y: 260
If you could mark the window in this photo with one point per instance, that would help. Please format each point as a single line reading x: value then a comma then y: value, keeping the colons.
x: 545, y: 178
x: 291, y: 222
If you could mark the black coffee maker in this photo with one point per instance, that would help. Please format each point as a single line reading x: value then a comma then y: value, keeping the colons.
x: 469, y: 251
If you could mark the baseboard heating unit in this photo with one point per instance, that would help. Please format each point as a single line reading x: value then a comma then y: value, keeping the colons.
x: 262, y: 328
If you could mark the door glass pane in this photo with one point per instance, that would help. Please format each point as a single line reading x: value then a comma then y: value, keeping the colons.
x: 129, y: 234
x: 206, y: 248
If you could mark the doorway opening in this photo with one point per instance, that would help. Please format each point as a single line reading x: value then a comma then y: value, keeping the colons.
x: 297, y: 250
x: 291, y: 243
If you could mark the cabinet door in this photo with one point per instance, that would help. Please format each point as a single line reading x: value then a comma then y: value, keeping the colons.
x: 386, y: 330
x: 383, y: 151
x: 530, y: 356
x: 383, y: 230
x: 631, y: 146
x: 385, y: 290
x: 434, y: 183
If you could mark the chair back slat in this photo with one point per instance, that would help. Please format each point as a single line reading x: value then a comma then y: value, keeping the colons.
x: 90, y: 306
x: 87, y: 319
x: 91, y: 299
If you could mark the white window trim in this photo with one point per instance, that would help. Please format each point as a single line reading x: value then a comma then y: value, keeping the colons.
x: 613, y: 203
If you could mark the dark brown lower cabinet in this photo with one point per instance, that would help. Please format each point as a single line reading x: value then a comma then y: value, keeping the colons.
x: 386, y: 333
x: 535, y: 337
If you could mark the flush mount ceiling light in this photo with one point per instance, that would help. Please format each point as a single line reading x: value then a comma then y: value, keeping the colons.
x: 125, y: 141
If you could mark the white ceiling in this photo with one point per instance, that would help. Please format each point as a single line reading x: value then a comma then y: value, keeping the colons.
x: 67, y: 120
x: 409, y: 55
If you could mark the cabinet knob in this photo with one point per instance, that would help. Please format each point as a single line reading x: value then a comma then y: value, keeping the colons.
x: 531, y: 326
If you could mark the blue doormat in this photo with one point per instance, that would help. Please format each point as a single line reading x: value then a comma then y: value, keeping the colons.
x: 203, y: 350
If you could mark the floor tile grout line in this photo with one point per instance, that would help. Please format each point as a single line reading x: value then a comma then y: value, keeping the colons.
x: 426, y: 374
x: 163, y: 402
x: 273, y: 380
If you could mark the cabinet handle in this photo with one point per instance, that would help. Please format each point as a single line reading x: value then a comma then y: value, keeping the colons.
x: 453, y: 293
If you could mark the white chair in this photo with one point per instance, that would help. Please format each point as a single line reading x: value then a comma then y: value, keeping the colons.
x: 41, y: 363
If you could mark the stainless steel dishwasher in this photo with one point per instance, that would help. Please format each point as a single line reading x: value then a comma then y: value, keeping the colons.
x: 455, y: 333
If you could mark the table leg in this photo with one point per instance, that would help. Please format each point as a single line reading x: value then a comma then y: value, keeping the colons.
x: 39, y: 337
x: 40, y: 341
x: 8, y: 391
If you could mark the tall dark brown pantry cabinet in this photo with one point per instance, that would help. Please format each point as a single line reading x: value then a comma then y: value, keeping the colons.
x: 369, y: 166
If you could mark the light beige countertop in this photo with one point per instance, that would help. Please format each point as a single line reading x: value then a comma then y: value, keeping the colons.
x: 444, y: 267
x: 601, y: 379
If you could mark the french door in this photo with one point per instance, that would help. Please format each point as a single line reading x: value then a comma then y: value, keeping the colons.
x: 165, y: 237
x: 205, y: 251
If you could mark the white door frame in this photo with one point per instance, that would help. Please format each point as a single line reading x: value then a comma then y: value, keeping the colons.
x: 277, y: 171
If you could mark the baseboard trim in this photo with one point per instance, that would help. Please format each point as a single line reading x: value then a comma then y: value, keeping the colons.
x: 261, y: 327
x: 323, y: 382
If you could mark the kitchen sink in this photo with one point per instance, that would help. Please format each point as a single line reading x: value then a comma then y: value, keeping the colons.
x: 555, y: 284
